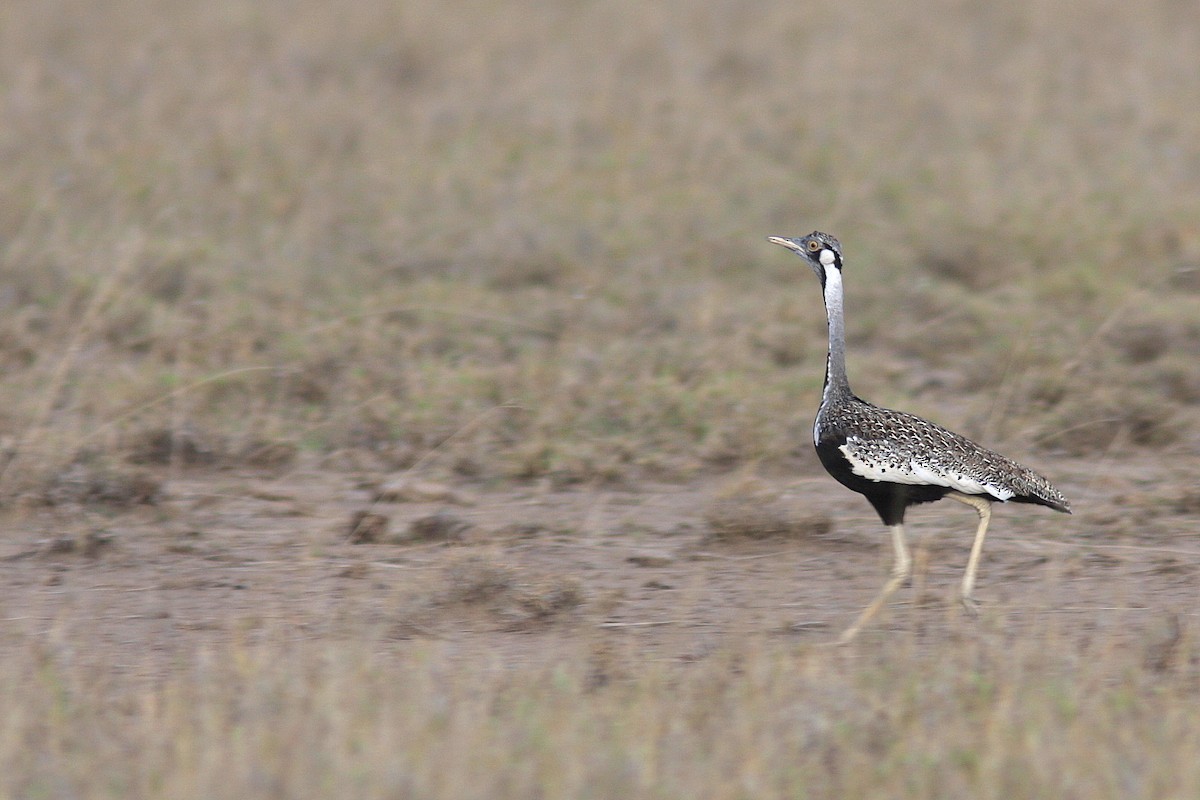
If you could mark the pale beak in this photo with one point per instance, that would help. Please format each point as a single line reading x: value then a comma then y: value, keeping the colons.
x: 790, y: 244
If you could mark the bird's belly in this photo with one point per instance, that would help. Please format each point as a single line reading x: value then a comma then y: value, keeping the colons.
x: 836, y: 464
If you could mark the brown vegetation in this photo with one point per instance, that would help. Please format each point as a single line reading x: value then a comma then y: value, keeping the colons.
x: 394, y: 397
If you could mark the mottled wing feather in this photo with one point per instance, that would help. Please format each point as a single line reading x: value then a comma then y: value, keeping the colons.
x: 894, y: 447
x: 882, y: 461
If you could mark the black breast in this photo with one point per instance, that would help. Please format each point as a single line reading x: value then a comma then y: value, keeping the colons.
x: 889, y: 499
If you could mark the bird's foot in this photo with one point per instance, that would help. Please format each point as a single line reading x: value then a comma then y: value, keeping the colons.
x: 970, y: 605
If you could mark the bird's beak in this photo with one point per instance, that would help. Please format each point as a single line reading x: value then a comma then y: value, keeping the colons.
x: 790, y: 244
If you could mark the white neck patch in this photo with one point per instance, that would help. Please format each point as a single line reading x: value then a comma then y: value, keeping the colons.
x: 833, y: 288
x: 827, y: 257
x: 833, y: 307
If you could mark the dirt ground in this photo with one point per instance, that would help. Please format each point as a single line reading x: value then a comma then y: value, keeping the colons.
x: 515, y: 574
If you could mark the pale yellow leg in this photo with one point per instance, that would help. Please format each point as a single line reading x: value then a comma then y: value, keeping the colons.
x: 983, y: 507
x: 901, y: 569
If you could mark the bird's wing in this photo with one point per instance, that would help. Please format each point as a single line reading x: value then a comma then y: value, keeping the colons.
x: 897, y: 447
x: 880, y: 459
x: 891, y: 461
x: 890, y: 446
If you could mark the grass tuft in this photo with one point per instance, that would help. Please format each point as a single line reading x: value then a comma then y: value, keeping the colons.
x: 750, y: 508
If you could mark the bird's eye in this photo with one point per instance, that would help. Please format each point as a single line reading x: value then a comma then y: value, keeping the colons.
x: 814, y: 246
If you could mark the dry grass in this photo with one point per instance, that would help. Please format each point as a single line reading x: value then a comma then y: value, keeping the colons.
x: 980, y: 716
x: 503, y: 243
x: 750, y: 508
x: 274, y: 226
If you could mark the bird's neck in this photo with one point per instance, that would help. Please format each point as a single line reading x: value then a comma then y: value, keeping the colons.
x: 836, y: 383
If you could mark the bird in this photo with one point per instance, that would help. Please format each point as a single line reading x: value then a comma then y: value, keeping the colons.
x: 896, y: 459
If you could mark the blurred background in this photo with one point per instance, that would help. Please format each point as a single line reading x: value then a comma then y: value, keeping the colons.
x: 277, y: 275
x: 237, y: 232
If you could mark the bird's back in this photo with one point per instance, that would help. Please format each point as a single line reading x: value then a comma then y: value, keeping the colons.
x: 888, y: 446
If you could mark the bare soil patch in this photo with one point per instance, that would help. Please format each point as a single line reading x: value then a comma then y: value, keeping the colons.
x: 522, y: 573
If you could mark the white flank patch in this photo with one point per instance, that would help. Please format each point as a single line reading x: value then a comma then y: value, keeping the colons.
x: 916, y: 474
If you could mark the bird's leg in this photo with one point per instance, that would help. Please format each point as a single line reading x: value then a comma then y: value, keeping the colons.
x: 901, y: 569
x: 982, y: 507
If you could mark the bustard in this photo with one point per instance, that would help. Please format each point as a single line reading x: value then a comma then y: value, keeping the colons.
x: 895, y: 459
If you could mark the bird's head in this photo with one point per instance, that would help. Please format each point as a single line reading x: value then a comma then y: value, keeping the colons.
x: 820, y: 250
